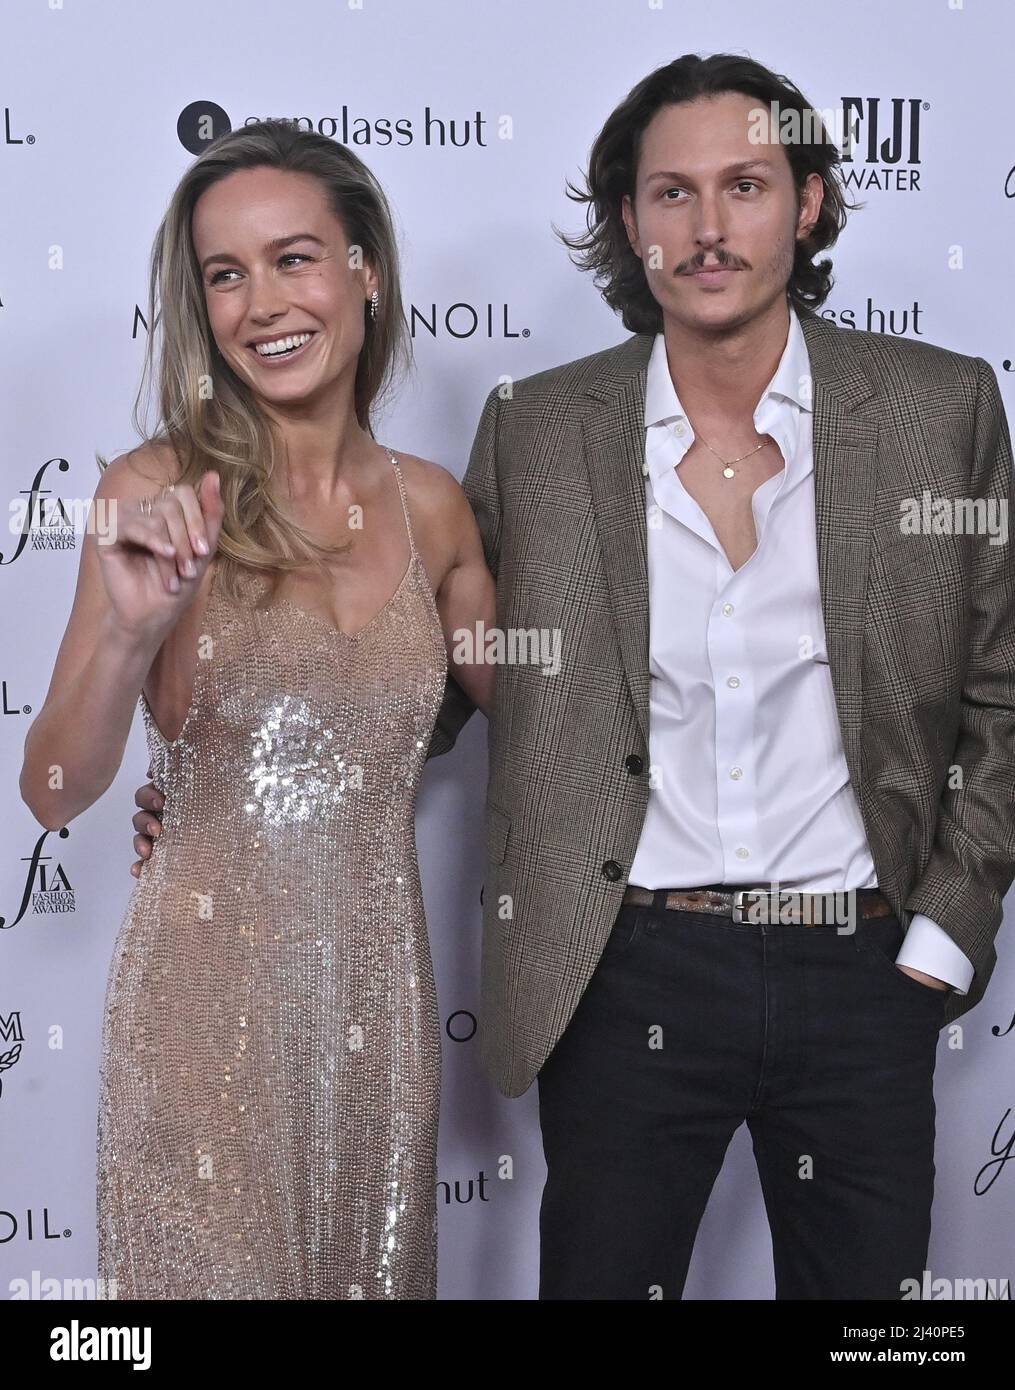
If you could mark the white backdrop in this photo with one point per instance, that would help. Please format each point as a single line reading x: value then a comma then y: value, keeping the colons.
x: 91, y: 95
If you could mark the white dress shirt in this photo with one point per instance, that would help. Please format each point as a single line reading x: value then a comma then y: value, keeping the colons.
x: 748, y: 779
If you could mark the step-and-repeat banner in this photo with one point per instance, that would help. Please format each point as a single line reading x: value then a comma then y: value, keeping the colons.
x: 473, y: 116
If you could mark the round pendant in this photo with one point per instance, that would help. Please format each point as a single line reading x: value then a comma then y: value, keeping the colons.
x: 728, y: 472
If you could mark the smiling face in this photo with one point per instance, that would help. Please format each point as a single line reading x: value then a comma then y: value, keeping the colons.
x: 706, y: 196
x: 275, y: 264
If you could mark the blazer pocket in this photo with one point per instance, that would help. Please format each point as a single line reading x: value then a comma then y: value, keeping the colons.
x: 912, y: 555
x: 498, y: 828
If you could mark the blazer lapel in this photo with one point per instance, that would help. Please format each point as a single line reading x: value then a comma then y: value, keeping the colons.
x: 845, y: 479
x: 615, y: 457
x: 845, y: 441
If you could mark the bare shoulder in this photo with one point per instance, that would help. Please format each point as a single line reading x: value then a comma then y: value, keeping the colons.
x: 441, y: 512
x: 431, y: 483
x: 435, y: 494
x: 140, y: 471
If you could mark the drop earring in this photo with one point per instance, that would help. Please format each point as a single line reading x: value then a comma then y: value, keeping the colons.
x: 374, y: 301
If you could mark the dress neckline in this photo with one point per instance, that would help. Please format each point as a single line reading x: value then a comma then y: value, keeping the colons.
x: 324, y: 623
x: 318, y: 621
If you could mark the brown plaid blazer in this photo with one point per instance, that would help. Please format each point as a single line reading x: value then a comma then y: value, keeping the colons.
x: 921, y: 643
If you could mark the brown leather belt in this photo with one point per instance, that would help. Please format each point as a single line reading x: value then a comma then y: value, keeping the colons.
x: 763, y: 905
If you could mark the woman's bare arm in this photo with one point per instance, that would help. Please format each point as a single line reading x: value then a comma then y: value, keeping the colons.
x: 75, y: 745
x: 467, y: 602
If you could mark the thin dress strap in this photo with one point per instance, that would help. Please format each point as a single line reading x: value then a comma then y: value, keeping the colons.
x: 405, y: 503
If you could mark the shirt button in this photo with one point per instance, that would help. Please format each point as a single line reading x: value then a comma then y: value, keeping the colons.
x: 733, y: 682
x: 727, y: 609
x: 743, y: 853
x: 679, y: 427
x: 736, y: 773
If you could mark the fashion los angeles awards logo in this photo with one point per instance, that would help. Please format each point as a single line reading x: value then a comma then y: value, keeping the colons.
x: 47, y: 888
x: 39, y: 518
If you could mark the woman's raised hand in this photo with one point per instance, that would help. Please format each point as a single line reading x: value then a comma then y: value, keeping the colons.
x: 153, y: 566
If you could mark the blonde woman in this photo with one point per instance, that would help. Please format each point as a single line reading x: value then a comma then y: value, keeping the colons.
x: 280, y: 596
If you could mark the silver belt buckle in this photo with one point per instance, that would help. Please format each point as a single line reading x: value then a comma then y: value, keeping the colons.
x: 738, y: 902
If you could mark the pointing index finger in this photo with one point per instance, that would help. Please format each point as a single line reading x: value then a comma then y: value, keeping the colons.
x: 193, y: 516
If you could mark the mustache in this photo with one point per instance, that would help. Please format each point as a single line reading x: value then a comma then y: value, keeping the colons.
x: 723, y: 258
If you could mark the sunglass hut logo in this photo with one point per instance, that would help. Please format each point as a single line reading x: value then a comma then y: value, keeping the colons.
x: 202, y: 122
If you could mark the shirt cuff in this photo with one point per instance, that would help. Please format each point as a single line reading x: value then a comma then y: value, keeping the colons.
x: 929, y: 948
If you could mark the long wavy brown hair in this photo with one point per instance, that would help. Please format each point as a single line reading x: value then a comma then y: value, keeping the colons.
x: 208, y: 414
x: 605, y: 250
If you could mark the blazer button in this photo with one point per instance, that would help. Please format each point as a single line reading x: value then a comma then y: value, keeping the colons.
x: 612, y: 870
x: 633, y: 764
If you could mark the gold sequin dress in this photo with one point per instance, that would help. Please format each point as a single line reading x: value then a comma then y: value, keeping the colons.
x: 270, y: 1069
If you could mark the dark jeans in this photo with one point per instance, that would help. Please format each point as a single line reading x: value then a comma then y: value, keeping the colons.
x: 692, y: 1024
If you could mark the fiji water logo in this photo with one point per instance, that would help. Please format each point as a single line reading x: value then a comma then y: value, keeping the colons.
x: 882, y: 150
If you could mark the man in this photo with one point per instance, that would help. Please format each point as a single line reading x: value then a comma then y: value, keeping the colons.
x: 766, y: 683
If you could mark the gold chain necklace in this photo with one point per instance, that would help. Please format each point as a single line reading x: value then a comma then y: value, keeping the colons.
x: 727, y: 471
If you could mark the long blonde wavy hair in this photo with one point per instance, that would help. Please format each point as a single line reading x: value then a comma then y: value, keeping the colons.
x: 223, y: 428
